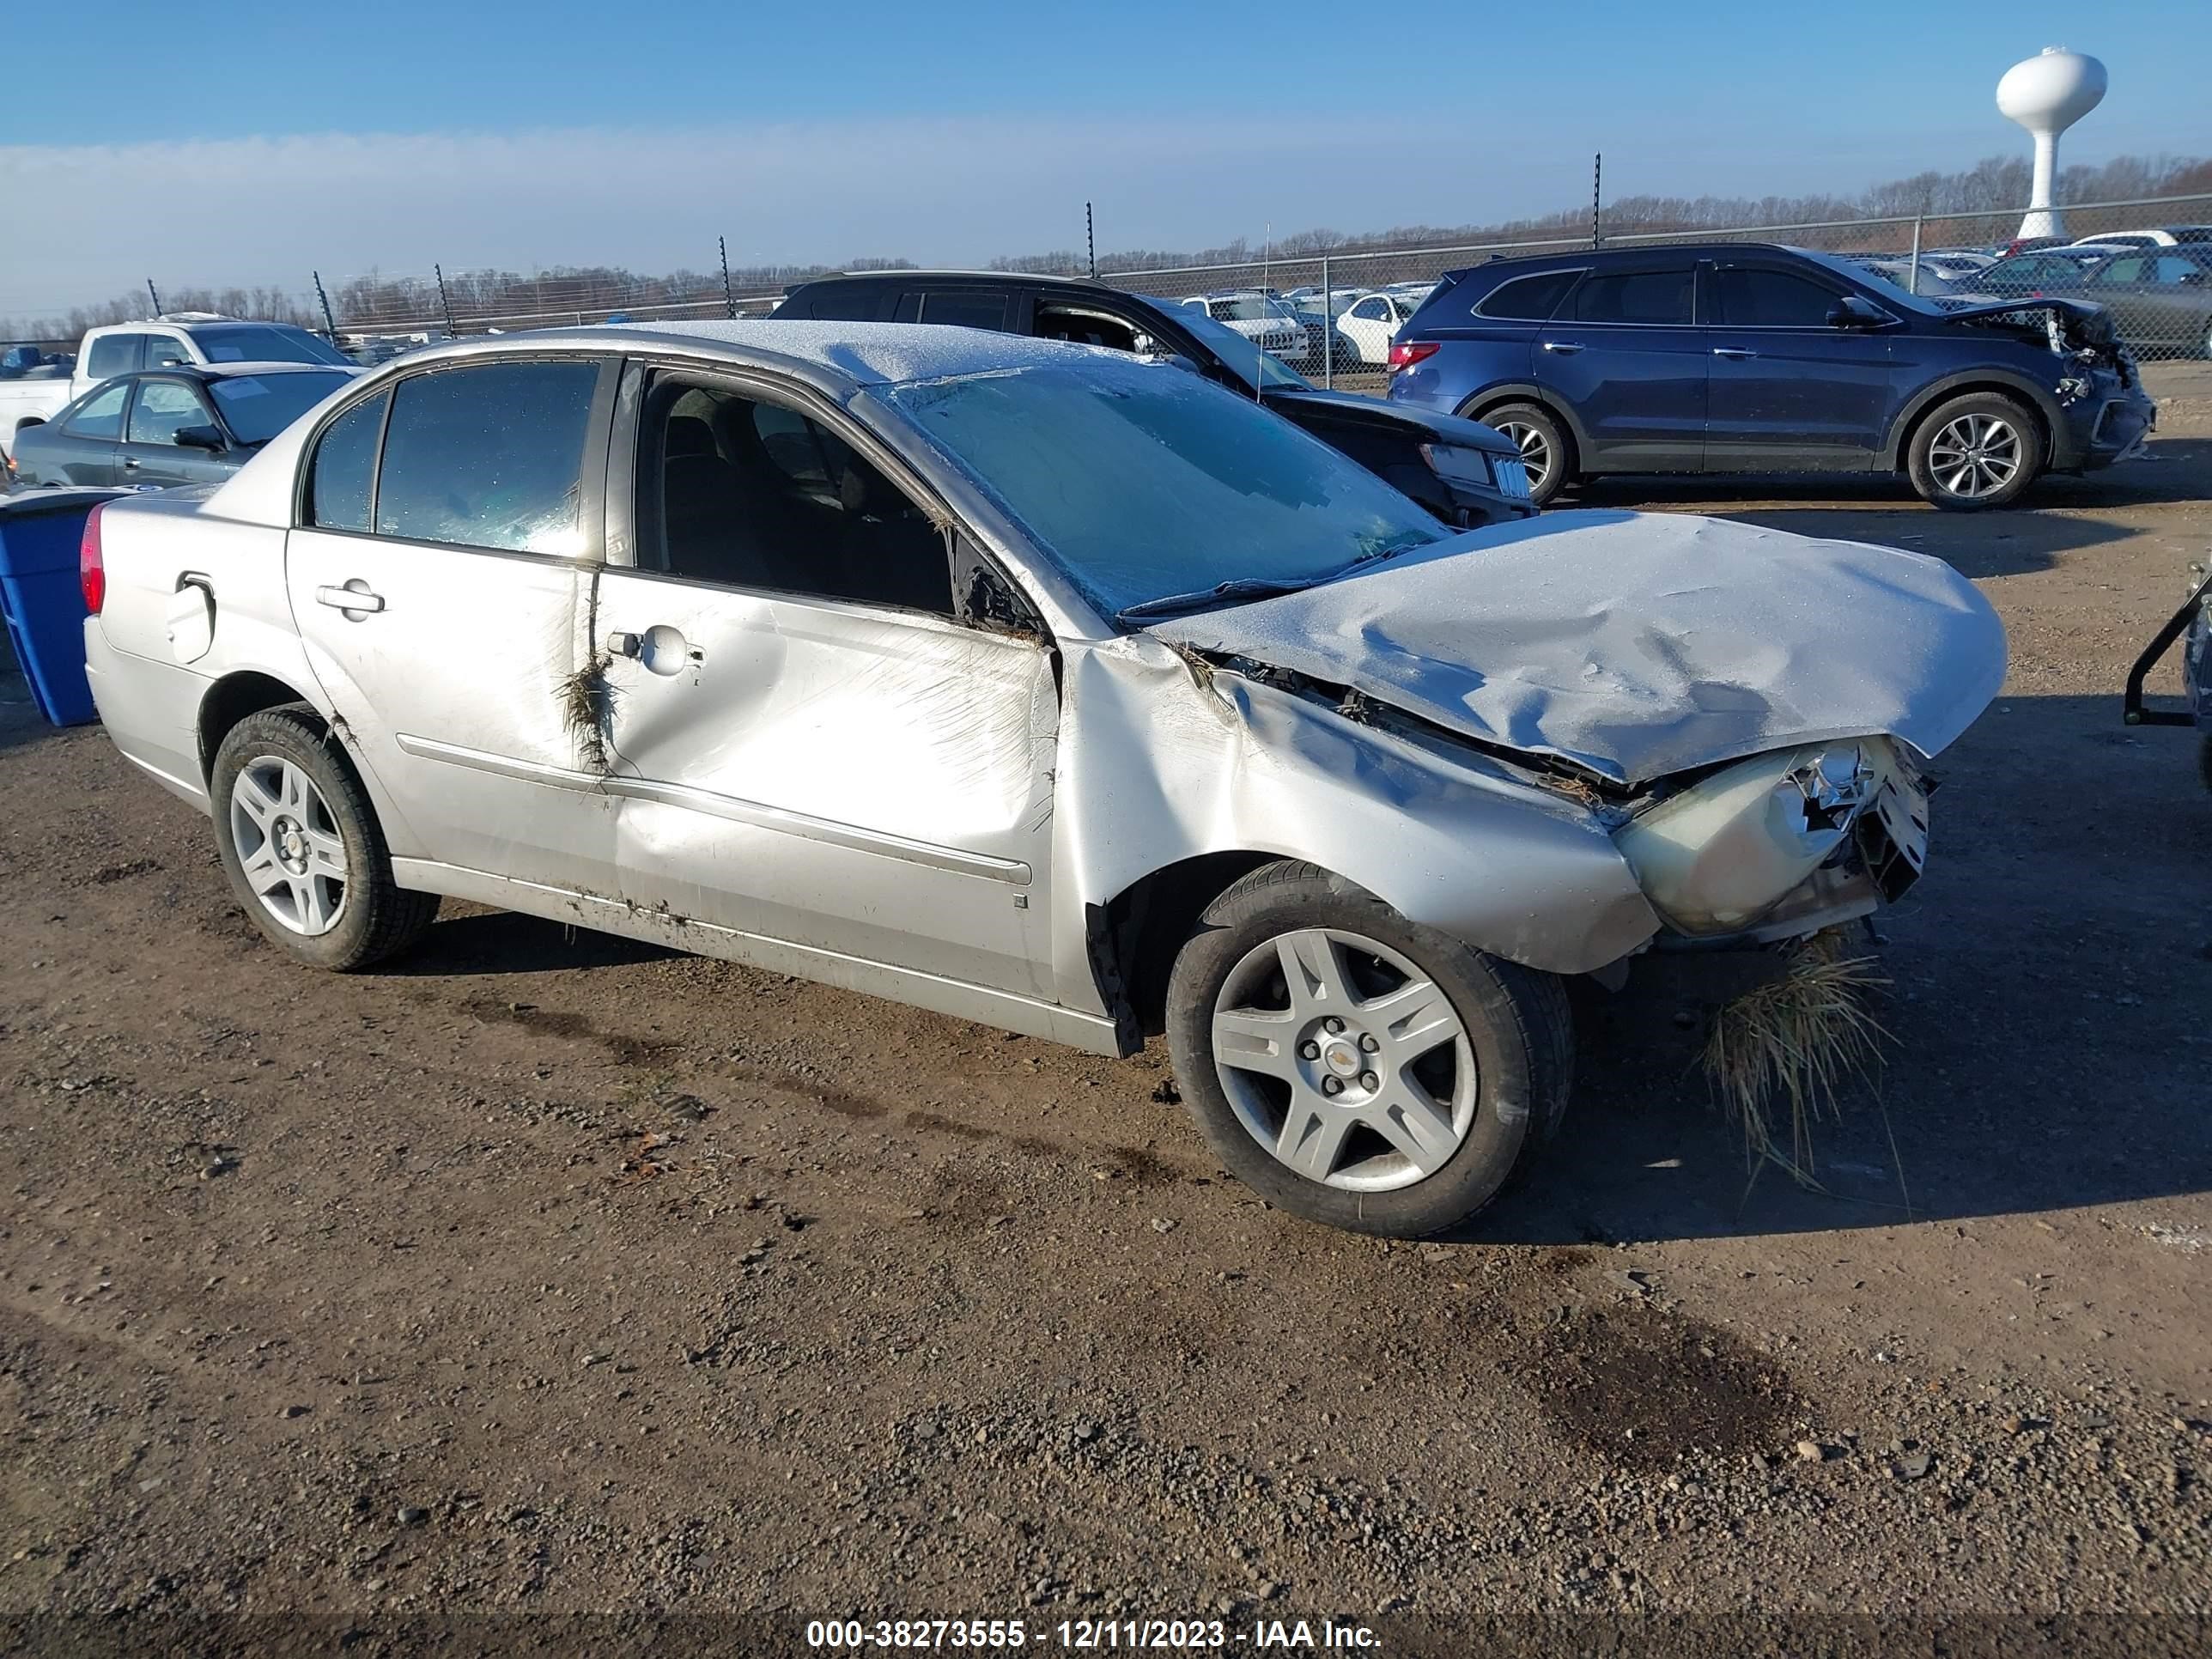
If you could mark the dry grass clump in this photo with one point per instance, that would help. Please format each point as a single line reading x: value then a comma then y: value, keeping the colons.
x: 1786, y: 1046
x: 587, y: 708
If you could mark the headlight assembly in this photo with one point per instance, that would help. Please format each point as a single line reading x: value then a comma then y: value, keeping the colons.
x: 1712, y: 859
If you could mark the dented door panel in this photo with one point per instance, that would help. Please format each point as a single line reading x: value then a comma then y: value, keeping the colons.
x: 449, y: 679
x: 873, y: 782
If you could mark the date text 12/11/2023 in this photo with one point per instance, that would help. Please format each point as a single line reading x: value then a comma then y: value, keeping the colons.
x: 1091, y: 1634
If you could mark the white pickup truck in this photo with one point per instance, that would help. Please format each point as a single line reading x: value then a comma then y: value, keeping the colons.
x: 197, y: 337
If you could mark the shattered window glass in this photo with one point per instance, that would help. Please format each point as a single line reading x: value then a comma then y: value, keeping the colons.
x: 1145, y: 481
x: 490, y: 455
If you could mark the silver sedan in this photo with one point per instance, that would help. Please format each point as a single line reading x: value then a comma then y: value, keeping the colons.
x: 1036, y: 685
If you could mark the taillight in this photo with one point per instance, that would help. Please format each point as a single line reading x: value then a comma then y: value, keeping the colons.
x: 91, y: 572
x: 1404, y: 354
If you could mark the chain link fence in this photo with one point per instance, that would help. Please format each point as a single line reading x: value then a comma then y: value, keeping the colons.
x: 1332, y: 317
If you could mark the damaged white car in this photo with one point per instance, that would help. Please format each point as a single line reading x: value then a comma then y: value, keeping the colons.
x: 1036, y: 684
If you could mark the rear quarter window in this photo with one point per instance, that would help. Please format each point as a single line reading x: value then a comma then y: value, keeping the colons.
x: 1528, y: 299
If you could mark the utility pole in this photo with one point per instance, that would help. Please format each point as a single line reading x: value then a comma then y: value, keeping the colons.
x: 1597, y: 184
x: 729, y: 304
x: 330, y: 323
x: 444, y: 304
x: 1091, y: 239
x: 154, y: 297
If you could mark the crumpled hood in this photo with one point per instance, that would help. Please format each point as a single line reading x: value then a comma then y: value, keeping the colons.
x: 1639, y: 645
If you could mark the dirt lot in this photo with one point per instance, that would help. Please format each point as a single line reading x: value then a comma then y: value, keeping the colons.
x: 547, y: 1274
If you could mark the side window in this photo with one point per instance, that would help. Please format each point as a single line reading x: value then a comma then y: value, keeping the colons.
x: 2174, y: 268
x: 161, y: 408
x: 1370, y: 310
x: 490, y: 455
x: 1083, y: 327
x: 1771, y: 299
x: 747, y: 494
x: 2127, y: 268
x: 101, y: 417
x: 965, y: 309
x: 343, y: 467
x: 1528, y: 299
x: 162, y: 350
x: 114, y: 354
x: 1646, y: 297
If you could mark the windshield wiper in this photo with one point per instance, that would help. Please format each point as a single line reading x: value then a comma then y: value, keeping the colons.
x: 1259, y: 587
x: 1236, y: 588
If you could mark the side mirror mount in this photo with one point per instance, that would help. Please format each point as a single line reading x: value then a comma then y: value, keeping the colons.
x: 1854, y: 312
x: 201, y: 437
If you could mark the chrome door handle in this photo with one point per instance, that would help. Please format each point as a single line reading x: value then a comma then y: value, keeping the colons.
x: 1733, y: 354
x: 1564, y: 348
x: 130, y: 463
x: 353, y: 596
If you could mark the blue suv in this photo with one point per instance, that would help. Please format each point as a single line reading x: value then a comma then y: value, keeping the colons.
x: 1748, y: 358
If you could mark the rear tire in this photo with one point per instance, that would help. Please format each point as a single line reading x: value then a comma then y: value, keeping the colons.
x: 1546, y: 447
x: 301, y: 845
x: 1395, y: 1088
x: 1976, y: 452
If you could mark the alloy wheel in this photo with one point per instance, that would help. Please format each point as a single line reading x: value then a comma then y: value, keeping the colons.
x: 1975, y: 455
x: 1344, y: 1060
x: 288, y: 845
x: 1535, y: 452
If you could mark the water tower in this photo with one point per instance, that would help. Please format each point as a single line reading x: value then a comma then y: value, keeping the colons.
x: 2047, y: 94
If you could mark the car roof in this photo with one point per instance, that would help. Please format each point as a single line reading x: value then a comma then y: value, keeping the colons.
x: 865, y: 354
x: 225, y: 371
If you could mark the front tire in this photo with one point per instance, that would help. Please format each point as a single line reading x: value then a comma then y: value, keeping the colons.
x: 1976, y: 452
x: 1357, y: 1069
x: 301, y: 845
x: 1547, y: 448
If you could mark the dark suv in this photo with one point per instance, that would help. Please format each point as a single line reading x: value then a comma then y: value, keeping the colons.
x: 1748, y: 358
x: 1463, y: 472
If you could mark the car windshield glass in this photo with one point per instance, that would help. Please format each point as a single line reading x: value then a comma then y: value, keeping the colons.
x: 1237, y: 353
x: 264, y: 343
x: 1144, y: 482
x: 260, y: 406
x: 1889, y: 292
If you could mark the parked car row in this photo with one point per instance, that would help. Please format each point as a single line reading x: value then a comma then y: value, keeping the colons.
x: 189, y: 339
x: 1062, y: 684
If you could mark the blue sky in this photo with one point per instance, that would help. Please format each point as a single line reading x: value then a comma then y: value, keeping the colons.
x: 535, y: 135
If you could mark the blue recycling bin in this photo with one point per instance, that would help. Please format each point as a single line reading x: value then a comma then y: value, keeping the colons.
x: 40, y: 597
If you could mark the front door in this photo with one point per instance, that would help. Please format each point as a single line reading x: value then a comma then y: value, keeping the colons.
x: 1790, y: 390
x: 152, y: 459
x: 443, y: 595
x: 809, y: 747
x: 1626, y: 357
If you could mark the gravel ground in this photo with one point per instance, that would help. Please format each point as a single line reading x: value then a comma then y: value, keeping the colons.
x: 548, y: 1278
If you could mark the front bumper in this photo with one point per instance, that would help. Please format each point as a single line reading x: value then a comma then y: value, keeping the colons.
x: 2110, y: 423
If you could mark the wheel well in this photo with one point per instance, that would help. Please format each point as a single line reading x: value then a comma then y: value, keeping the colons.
x: 233, y: 699
x: 1480, y: 409
x: 1951, y: 394
x: 30, y: 421
x: 1146, y: 923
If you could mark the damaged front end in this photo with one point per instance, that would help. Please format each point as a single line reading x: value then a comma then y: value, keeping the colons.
x: 2083, y: 335
x: 1783, y: 844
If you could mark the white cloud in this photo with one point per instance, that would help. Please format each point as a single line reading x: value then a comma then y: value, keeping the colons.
x: 90, y: 222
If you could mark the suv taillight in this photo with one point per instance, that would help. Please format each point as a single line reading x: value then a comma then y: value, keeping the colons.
x: 91, y: 572
x: 1404, y: 354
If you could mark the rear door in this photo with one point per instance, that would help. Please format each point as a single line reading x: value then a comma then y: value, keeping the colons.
x: 1789, y: 391
x: 151, y: 457
x: 86, y: 448
x: 1625, y: 355
x: 810, y: 747
x: 441, y: 579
